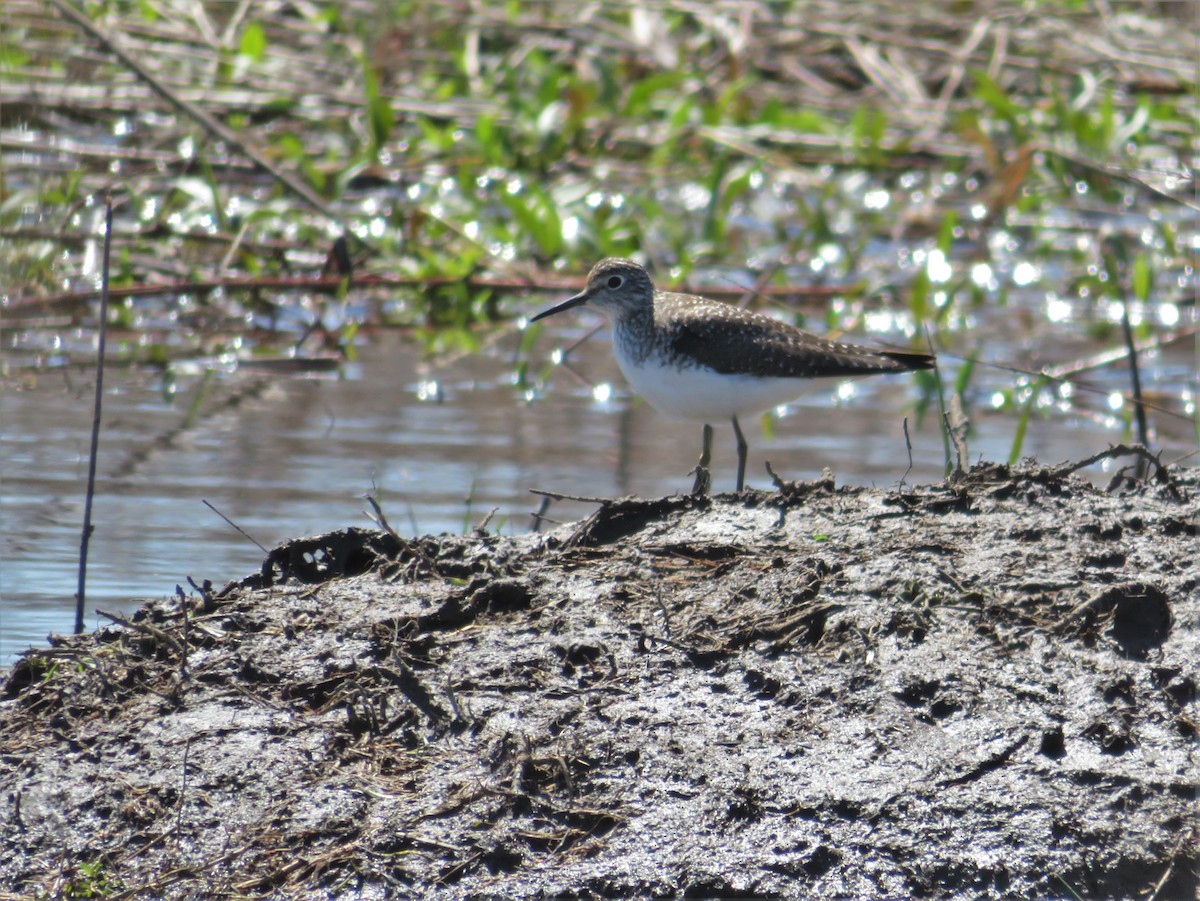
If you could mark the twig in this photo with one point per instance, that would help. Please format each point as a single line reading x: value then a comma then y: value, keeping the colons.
x: 1175, y: 855
x: 1135, y: 376
x: 482, y: 527
x: 91, y: 481
x: 539, y: 516
x: 242, y: 531
x: 957, y: 426
x: 187, y: 749
x: 146, y: 629
x: 183, y: 628
x: 1162, y: 471
x: 380, y: 519
x: 908, y: 447
x: 553, y: 495
x: 781, y: 485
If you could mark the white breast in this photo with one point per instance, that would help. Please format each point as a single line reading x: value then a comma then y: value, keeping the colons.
x: 699, y: 393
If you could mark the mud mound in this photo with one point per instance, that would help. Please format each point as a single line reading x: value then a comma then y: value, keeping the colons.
x: 985, y: 689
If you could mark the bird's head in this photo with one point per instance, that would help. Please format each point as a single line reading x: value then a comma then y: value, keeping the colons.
x: 613, y: 287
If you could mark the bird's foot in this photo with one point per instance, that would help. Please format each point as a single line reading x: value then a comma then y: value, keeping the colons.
x: 703, y: 483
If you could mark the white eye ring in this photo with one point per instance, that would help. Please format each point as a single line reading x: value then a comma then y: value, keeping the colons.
x: 615, y: 281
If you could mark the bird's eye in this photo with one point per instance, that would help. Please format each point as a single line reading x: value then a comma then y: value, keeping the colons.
x: 615, y: 281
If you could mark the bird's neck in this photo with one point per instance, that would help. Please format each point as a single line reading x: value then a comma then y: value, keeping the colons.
x: 633, y: 333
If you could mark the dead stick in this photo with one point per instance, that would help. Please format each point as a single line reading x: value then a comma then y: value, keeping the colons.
x: 91, y: 482
x: 554, y: 495
x: 146, y: 629
x: 242, y: 531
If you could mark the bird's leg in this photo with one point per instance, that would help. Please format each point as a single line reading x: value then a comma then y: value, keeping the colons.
x: 741, y: 448
x: 703, y: 480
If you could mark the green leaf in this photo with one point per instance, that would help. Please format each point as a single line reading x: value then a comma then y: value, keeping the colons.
x: 380, y: 115
x: 1023, y: 423
x: 253, y: 43
x: 1141, y: 278
x: 945, y: 238
x: 918, y: 298
x: 995, y: 98
x: 639, y: 99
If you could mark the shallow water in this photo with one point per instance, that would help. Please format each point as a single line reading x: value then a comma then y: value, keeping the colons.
x: 439, y: 447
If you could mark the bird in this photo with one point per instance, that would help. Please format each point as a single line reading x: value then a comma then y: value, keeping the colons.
x: 698, y: 359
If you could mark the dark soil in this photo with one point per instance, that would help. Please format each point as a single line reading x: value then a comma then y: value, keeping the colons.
x: 984, y: 689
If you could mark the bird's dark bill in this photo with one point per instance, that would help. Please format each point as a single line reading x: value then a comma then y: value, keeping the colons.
x: 577, y: 300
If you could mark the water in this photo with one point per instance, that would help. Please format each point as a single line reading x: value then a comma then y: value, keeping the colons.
x: 284, y: 457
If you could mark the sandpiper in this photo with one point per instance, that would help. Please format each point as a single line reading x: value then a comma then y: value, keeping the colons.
x: 699, y: 359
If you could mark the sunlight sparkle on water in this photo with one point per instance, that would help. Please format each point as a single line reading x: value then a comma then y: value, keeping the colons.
x: 981, y: 275
x: 556, y: 356
x: 1114, y: 311
x: 939, y: 269
x: 694, y: 196
x: 570, y: 228
x: 846, y: 391
x: 830, y: 253
x: 1025, y: 273
x: 876, y: 200
x: 878, y: 321
x: 602, y: 393
x: 1057, y: 309
x: 429, y: 390
x: 1065, y: 393
x: 1115, y: 400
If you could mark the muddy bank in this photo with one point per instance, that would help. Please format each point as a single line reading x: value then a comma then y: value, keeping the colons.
x: 978, y: 690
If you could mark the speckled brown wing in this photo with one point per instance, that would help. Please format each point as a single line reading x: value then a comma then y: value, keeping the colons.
x: 759, y: 345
